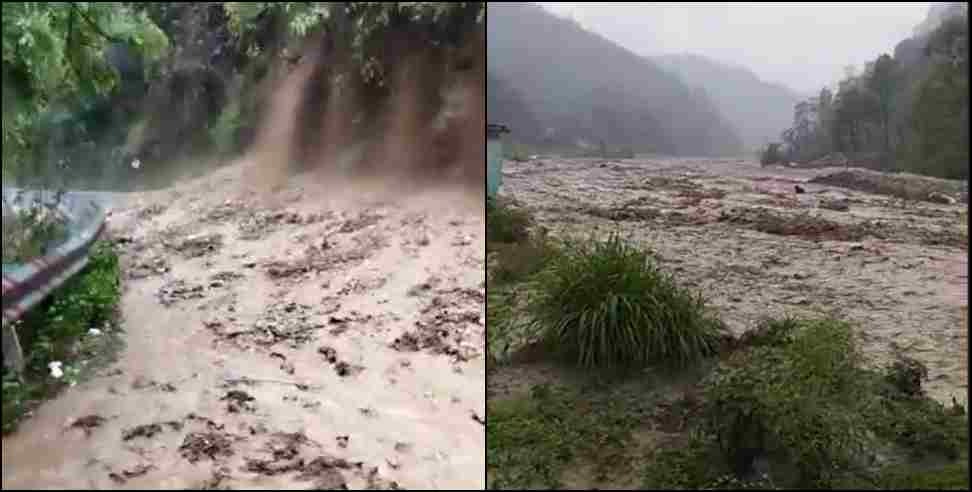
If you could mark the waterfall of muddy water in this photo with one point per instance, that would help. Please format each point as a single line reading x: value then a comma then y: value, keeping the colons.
x: 405, y: 149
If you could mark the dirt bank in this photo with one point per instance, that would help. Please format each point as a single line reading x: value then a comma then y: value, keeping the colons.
x: 756, y: 248
x: 317, y: 337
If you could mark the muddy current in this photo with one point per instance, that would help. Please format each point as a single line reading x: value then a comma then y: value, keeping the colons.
x: 756, y: 248
x: 322, y: 336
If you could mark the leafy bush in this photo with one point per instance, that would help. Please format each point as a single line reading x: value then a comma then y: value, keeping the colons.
x: 506, y: 224
x: 606, y: 305
x: 52, y: 330
x: 793, y: 401
x: 905, y: 416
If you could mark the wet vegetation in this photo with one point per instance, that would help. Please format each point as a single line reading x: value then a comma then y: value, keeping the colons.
x: 67, y: 337
x: 790, y: 404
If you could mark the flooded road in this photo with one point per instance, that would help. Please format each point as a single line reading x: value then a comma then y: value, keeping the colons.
x: 320, y: 337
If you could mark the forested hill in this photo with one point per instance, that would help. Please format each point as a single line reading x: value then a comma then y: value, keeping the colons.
x: 582, y: 87
x: 907, y: 110
x: 757, y: 109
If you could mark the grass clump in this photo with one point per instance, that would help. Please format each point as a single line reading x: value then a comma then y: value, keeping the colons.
x: 56, y: 331
x: 605, y: 304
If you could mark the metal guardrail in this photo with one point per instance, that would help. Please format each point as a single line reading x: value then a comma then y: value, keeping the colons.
x: 27, y: 284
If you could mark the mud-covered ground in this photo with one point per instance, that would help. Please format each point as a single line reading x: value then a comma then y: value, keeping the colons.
x: 317, y: 337
x: 756, y: 248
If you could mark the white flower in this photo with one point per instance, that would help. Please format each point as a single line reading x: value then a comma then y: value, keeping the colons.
x: 136, y: 164
x: 94, y: 332
x: 55, y: 368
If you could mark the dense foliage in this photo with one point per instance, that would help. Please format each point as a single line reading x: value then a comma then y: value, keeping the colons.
x: 72, y: 99
x: 54, y: 54
x: 906, y: 111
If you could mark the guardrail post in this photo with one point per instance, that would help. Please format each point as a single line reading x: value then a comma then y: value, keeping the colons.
x: 13, y: 354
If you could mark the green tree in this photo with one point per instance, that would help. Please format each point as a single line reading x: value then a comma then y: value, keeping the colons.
x: 882, y: 82
x: 856, y: 108
x: 53, y: 53
x: 940, y: 113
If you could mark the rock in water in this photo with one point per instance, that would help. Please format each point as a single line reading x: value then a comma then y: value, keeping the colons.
x: 942, y: 198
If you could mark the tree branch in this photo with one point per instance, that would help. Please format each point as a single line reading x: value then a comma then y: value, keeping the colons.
x: 70, y: 45
x: 94, y: 25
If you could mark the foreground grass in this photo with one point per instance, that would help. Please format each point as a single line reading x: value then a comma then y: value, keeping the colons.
x: 790, y: 405
x: 531, y: 441
x: 59, y: 330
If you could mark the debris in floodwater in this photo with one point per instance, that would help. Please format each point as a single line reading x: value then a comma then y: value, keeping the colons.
x: 238, y: 400
x: 125, y: 475
x: 178, y: 291
x: 403, y: 447
x: 88, y: 423
x: 199, y: 445
x: 198, y: 245
x: 215, y: 482
x: 149, y: 430
x: 343, y: 369
x: 330, y: 355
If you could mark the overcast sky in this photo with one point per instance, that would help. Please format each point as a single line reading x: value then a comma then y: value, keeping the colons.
x: 802, y: 45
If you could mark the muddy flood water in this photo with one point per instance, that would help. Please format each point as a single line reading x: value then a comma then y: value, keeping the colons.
x: 756, y: 248
x: 312, y: 338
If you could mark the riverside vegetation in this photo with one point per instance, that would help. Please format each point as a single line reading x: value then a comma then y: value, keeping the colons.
x: 605, y: 372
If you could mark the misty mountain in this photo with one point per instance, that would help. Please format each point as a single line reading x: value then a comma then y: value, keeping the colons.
x: 583, y: 87
x: 504, y: 104
x: 758, y: 110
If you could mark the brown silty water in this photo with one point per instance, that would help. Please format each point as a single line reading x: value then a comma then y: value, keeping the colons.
x: 311, y: 331
x: 897, y: 270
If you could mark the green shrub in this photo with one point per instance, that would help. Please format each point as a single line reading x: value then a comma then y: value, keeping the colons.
x: 794, y: 401
x: 51, y: 331
x: 506, y: 224
x: 605, y: 304
x: 905, y: 416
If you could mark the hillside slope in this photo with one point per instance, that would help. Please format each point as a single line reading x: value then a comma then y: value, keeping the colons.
x: 579, y: 83
x: 757, y: 109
